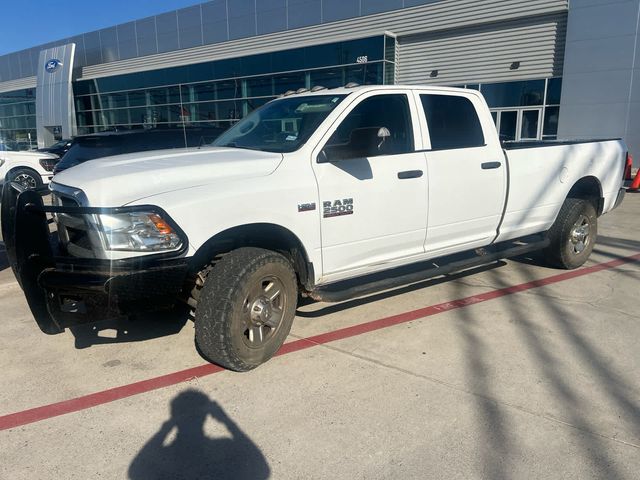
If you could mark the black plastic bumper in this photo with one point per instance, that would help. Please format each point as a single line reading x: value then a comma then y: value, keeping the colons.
x: 63, y: 291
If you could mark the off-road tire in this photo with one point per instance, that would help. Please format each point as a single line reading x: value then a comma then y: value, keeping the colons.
x: 221, y: 311
x: 561, y: 252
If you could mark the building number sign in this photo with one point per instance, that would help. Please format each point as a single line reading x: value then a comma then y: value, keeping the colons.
x: 362, y: 59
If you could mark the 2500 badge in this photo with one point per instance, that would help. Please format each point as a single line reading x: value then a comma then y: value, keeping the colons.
x: 337, y: 208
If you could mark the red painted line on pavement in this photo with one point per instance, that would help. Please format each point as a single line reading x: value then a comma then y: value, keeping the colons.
x: 106, y: 396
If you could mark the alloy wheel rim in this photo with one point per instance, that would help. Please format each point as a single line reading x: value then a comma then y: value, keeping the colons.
x: 263, y: 311
x: 579, y: 235
x: 25, y: 180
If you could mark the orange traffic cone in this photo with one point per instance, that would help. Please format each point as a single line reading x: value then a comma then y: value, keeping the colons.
x: 628, y: 167
x: 635, y: 186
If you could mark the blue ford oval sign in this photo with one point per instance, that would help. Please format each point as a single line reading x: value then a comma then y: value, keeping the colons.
x: 52, y: 65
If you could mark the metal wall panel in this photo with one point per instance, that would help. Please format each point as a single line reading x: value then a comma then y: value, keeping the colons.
x: 167, y: 32
x: 432, y: 17
x: 242, y: 18
x: 109, y: 44
x: 303, y: 13
x: 54, y: 94
x: 223, y: 20
x: 601, y: 84
x: 19, y: 84
x: 485, y: 53
x: 127, y: 43
x: 271, y: 16
x: 146, y: 36
x: 333, y: 10
x: 190, y: 26
x: 215, y: 27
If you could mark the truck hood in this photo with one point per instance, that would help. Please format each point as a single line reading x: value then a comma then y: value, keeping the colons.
x: 122, y: 179
x: 25, y: 156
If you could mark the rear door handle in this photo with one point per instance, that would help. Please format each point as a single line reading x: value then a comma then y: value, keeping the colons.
x: 491, y: 165
x: 410, y: 174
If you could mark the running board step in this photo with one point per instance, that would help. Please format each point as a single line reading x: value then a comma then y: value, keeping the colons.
x: 399, y: 277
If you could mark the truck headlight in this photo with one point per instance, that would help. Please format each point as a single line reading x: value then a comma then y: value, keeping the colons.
x: 137, y: 231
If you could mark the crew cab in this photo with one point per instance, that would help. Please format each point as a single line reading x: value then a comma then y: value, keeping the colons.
x: 328, y: 194
x: 29, y: 169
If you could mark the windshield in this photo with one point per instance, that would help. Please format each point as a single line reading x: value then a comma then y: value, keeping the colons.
x: 280, y: 126
x: 60, y: 144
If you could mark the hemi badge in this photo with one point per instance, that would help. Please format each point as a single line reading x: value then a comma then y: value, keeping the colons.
x: 306, y: 207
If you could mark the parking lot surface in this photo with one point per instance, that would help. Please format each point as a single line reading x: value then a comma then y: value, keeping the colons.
x: 509, y: 371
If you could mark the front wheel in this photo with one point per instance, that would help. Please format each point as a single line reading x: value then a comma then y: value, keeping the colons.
x: 246, y: 308
x: 26, y: 177
x: 573, y: 235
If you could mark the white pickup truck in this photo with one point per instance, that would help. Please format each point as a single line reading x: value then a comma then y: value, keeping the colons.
x: 328, y: 194
x: 29, y: 169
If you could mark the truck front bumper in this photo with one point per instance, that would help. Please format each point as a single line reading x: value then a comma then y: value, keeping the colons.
x: 62, y: 290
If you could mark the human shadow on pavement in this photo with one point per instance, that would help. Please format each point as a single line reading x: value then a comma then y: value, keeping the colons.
x: 132, y: 329
x: 182, y: 450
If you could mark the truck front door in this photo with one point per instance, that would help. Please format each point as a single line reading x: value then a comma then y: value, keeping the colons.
x: 372, y: 185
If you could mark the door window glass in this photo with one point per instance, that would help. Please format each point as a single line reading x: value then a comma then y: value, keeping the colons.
x: 379, y: 125
x: 453, y: 122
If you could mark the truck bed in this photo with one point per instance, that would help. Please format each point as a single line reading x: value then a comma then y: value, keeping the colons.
x: 552, y: 143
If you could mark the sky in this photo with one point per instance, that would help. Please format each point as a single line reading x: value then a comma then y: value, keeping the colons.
x: 27, y: 23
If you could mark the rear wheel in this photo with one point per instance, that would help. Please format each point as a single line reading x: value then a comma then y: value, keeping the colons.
x: 246, y: 307
x: 573, y: 234
x: 26, y: 177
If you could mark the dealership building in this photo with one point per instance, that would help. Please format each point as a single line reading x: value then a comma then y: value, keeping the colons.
x: 548, y: 68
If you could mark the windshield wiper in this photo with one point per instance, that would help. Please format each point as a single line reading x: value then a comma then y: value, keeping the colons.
x: 235, y: 145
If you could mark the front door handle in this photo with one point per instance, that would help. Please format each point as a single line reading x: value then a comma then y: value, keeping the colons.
x: 410, y: 174
x: 491, y: 165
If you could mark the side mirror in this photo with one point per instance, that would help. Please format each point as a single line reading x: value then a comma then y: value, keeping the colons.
x: 363, y: 142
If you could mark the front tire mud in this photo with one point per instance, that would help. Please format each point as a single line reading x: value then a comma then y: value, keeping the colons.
x: 246, y: 308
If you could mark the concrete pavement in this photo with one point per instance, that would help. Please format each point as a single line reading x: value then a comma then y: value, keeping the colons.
x: 544, y: 383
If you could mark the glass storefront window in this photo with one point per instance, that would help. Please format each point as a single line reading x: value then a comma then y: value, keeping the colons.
x: 365, y: 74
x: 227, y: 90
x: 329, y: 78
x: 551, y: 117
x: 289, y: 81
x: 260, y: 87
x: 514, y: 94
x: 18, y: 120
x: 211, y: 111
x: 554, y: 91
x: 371, y: 49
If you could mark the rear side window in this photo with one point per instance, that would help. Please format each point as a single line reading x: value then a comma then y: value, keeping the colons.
x: 453, y: 122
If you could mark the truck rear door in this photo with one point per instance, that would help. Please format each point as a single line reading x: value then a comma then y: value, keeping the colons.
x: 467, y: 171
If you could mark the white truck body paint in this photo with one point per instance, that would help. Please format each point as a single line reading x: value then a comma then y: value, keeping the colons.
x: 455, y: 206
